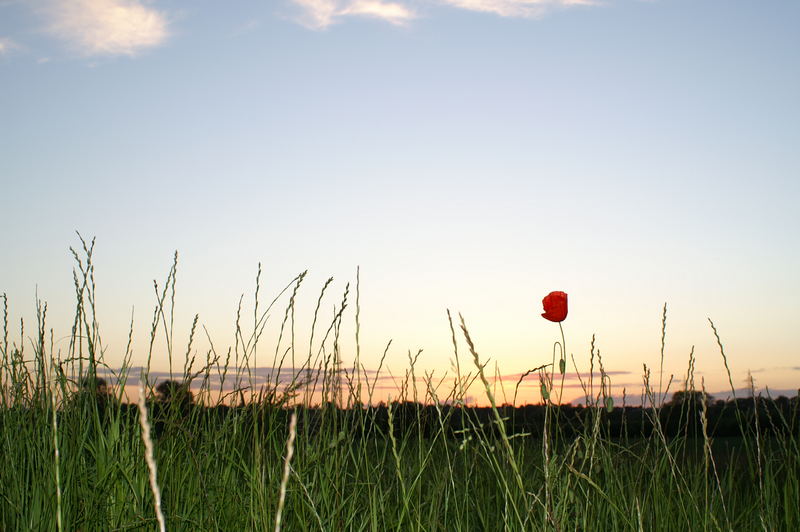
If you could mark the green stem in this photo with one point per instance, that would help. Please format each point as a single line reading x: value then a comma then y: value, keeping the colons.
x: 562, y: 365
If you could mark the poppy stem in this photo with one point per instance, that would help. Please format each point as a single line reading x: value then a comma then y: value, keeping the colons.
x: 562, y: 364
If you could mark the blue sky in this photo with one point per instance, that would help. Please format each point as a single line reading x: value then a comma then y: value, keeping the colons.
x: 466, y: 154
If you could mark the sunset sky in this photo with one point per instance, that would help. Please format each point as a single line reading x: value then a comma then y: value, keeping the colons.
x: 470, y: 155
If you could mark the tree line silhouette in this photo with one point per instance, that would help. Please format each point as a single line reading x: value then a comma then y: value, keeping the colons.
x: 685, y: 414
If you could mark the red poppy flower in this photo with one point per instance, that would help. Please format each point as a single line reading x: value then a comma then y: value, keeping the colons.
x: 555, y: 306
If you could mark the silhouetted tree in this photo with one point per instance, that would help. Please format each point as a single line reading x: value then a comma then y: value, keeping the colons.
x: 691, y: 397
x: 95, y: 389
x: 174, y: 393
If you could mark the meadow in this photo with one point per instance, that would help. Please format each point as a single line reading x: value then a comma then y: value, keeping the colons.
x: 211, y: 449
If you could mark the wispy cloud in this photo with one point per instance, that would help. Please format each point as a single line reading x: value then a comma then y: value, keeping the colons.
x: 389, y: 11
x: 516, y: 8
x: 775, y: 369
x: 320, y: 14
x: 106, y: 27
x: 6, y: 45
x: 513, y: 377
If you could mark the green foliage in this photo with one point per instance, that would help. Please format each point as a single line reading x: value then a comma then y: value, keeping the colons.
x: 396, y: 467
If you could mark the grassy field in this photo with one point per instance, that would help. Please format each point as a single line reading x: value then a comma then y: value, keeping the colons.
x: 73, y: 453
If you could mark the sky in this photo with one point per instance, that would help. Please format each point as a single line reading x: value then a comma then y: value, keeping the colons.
x: 470, y: 155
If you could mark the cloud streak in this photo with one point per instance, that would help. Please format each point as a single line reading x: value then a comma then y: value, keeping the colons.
x: 6, y: 45
x: 516, y: 8
x: 319, y: 14
x: 106, y: 27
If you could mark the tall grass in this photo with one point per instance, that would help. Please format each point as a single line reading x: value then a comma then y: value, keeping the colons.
x: 75, y: 456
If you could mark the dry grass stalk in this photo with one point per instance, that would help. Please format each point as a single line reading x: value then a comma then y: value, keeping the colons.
x: 286, y: 464
x: 148, y: 456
